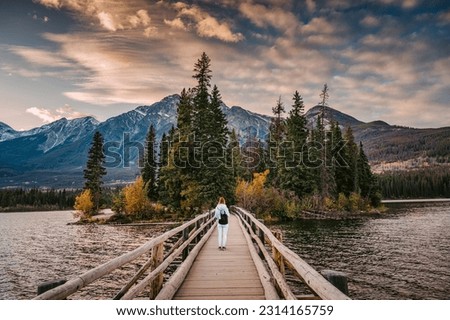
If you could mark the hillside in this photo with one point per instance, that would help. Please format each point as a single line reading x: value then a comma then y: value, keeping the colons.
x: 54, y: 155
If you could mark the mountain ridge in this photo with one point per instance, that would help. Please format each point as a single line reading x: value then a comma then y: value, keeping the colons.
x: 54, y: 154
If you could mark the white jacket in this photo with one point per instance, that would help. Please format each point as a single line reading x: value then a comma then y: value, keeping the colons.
x: 217, y: 210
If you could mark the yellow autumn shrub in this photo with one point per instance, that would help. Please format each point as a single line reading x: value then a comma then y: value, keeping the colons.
x: 135, y: 196
x: 84, y: 204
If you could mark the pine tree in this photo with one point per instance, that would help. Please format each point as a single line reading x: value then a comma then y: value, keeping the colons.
x: 185, y: 114
x: 276, y: 135
x: 197, y: 170
x: 201, y: 99
x: 345, y: 173
x: 364, y: 174
x: 163, y: 151
x: 95, y: 170
x: 324, y: 175
x: 150, y: 166
x: 234, y: 154
x: 294, y: 175
x: 324, y: 95
x: 215, y: 178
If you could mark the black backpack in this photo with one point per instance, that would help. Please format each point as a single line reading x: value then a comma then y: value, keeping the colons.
x: 223, y: 217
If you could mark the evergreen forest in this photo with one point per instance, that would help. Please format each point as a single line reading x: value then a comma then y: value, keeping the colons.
x: 298, y: 167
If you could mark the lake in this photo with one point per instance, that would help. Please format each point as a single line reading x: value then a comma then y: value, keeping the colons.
x: 403, y: 254
x: 36, y: 247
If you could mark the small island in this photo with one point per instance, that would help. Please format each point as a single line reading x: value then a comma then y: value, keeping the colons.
x: 301, y: 170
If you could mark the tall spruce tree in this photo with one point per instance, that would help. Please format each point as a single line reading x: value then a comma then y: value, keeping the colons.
x: 324, y: 172
x: 95, y: 170
x: 201, y: 99
x: 219, y: 177
x: 197, y: 166
x: 169, y: 184
x: 163, y: 151
x: 184, y: 114
x: 294, y: 176
x: 364, y: 174
x: 234, y: 154
x: 346, y: 171
x: 275, y: 154
x: 149, y: 169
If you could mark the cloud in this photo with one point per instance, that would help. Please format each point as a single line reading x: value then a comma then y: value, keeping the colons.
x: 41, y: 57
x: 44, y: 19
x: 106, y: 21
x: 206, y: 25
x: 444, y: 18
x: 320, y: 25
x: 377, y: 66
x: 49, y: 3
x: 45, y: 115
x: 311, y: 5
x: 48, y: 116
x: 276, y: 17
x: 110, y: 15
x: 176, y: 23
x: 115, y: 70
x: 406, y: 4
x: 370, y: 21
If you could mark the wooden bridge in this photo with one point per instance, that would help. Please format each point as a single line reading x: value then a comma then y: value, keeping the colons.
x: 256, y: 265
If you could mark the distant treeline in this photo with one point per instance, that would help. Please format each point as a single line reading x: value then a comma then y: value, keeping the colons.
x: 36, y: 199
x: 422, y: 183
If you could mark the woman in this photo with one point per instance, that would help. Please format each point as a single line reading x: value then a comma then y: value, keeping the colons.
x: 221, y: 214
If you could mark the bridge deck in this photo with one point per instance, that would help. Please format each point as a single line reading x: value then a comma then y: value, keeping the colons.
x: 223, y: 275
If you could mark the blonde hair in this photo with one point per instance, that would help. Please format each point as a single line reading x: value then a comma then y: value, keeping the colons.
x: 222, y: 200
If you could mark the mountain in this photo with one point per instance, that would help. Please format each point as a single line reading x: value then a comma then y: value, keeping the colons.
x: 6, y: 132
x: 391, y: 147
x: 343, y: 119
x: 54, y: 155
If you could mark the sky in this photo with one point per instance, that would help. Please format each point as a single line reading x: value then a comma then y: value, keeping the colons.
x: 381, y: 59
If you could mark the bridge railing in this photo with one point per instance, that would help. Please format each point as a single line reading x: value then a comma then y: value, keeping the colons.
x: 281, y: 258
x: 191, y: 237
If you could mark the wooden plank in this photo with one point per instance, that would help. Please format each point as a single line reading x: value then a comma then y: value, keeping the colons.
x: 223, y: 275
x: 174, y: 283
x: 270, y: 292
x: 277, y: 275
x: 229, y: 275
x: 235, y: 297
x: 218, y: 283
x: 133, y: 292
x: 211, y: 292
x: 90, y: 276
x: 314, y: 280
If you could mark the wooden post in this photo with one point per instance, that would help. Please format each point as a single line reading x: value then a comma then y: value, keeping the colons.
x: 43, y: 287
x: 185, y: 237
x: 157, y: 259
x: 260, y: 232
x: 260, y: 235
x: 197, y: 226
x: 277, y: 256
x: 337, y: 279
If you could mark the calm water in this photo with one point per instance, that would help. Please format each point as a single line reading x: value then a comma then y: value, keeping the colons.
x: 39, y: 246
x: 402, y: 255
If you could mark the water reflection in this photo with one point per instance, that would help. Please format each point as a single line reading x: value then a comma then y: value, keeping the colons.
x: 40, y: 246
x: 403, y: 255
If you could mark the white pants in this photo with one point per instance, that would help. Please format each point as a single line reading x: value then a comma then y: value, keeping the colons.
x: 223, y: 231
